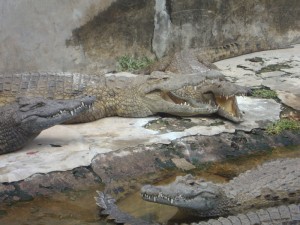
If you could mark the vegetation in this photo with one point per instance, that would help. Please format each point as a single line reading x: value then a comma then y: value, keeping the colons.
x: 264, y: 93
x: 131, y: 64
x: 283, y: 124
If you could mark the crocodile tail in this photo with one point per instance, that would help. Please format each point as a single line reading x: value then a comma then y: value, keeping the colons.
x: 214, y: 54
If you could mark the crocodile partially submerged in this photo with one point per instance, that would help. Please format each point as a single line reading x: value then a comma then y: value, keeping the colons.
x: 273, y: 183
x: 22, y: 120
x: 126, y: 96
x: 280, y: 215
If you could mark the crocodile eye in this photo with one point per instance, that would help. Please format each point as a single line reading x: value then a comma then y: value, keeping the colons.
x: 192, y: 183
x: 40, y: 104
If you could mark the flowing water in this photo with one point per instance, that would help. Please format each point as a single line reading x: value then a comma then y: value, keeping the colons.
x: 74, y: 208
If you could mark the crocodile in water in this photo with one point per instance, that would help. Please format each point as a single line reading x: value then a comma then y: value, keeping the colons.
x: 23, y: 120
x: 273, y: 183
x: 280, y: 215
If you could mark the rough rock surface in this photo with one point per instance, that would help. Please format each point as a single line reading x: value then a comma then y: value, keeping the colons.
x: 124, y: 171
x: 87, y: 36
x: 150, y: 144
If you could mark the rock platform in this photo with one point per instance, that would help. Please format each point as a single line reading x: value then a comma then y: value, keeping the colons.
x: 85, y: 151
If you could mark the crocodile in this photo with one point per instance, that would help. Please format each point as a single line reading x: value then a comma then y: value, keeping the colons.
x: 108, y: 208
x: 22, y: 120
x: 269, y: 194
x: 216, y: 92
x: 199, y: 60
x: 280, y: 215
x: 273, y: 183
x: 192, y: 60
x: 118, y: 95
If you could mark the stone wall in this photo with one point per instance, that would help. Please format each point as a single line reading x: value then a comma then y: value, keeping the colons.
x: 87, y: 36
x: 33, y: 33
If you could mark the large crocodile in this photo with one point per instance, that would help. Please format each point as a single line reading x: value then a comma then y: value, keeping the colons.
x: 127, y: 96
x: 199, y: 60
x: 280, y: 215
x: 23, y: 120
x: 275, y: 183
x: 272, y: 183
x: 194, y: 60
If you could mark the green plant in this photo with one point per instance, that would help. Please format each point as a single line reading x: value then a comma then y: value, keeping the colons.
x: 283, y: 124
x: 131, y: 64
x: 264, y: 93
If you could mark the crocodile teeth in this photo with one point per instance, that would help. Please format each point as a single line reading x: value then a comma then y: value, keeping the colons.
x: 72, y: 113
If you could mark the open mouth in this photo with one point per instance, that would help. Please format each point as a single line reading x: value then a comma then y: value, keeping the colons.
x: 227, y: 105
x: 169, y: 97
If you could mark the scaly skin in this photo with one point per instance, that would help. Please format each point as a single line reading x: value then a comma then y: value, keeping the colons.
x: 200, y: 59
x: 23, y: 120
x: 273, y: 183
x: 216, y: 92
x: 283, y: 214
x: 126, y: 96
x: 108, y: 207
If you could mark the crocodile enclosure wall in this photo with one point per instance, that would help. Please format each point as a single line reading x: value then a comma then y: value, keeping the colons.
x: 87, y: 36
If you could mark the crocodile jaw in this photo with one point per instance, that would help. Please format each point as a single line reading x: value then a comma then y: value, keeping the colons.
x: 165, y: 102
x: 228, y: 108
x: 38, y: 114
x: 203, y: 201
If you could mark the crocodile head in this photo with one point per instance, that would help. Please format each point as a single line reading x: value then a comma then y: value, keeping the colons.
x: 37, y: 114
x: 143, y: 96
x: 216, y: 92
x: 203, y: 199
x: 23, y: 120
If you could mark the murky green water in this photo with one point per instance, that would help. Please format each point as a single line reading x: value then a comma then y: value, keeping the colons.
x: 74, y: 208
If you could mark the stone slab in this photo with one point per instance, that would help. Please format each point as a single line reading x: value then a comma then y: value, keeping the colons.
x: 65, y: 147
